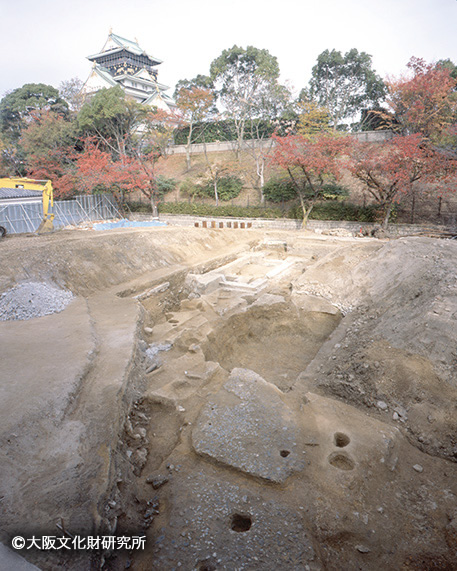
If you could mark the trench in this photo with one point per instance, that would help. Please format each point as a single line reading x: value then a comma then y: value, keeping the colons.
x: 198, y: 329
x: 344, y: 439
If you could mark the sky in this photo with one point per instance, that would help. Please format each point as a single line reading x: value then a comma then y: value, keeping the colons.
x: 48, y: 41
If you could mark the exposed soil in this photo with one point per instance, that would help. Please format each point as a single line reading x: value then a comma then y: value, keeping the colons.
x: 243, y: 399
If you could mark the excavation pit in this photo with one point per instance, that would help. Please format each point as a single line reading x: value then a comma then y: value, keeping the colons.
x: 277, y: 342
x: 258, y: 440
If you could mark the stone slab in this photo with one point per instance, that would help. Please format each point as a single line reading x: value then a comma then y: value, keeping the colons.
x: 247, y: 426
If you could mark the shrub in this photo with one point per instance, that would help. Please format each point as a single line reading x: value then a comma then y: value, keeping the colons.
x: 165, y: 184
x: 279, y: 189
x: 228, y: 187
x: 189, y: 188
x: 335, y: 192
x: 137, y: 206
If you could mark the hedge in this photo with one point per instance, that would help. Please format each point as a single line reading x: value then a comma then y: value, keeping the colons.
x: 321, y: 211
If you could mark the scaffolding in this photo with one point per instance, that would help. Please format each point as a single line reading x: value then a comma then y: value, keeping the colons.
x: 27, y: 216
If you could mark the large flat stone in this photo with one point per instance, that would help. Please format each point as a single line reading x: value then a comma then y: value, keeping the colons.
x: 248, y: 426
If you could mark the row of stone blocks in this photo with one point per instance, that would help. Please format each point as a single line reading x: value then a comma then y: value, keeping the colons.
x: 213, y: 224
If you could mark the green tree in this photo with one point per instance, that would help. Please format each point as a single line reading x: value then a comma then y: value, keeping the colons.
x: 112, y: 119
x: 48, y: 146
x: 19, y: 106
x: 247, y: 85
x: 345, y: 84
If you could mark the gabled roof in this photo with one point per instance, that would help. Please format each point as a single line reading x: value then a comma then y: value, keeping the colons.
x: 19, y: 193
x: 143, y: 81
x: 151, y: 100
x: 105, y: 74
x: 116, y: 43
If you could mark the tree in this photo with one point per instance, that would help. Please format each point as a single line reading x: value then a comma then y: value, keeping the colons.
x: 274, y: 100
x: 425, y: 100
x: 247, y: 84
x: 311, y: 164
x: 156, y: 131
x: 94, y: 169
x: 195, y: 100
x: 389, y: 170
x: 312, y: 119
x: 217, y: 171
x: 71, y: 92
x: 345, y: 84
x: 112, y: 119
x: 18, y: 108
x: 48, y: 144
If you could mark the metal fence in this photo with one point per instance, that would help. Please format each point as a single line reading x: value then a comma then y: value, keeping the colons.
x: 27, y: 216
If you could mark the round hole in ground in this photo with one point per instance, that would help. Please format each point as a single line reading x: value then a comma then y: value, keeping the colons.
x: 341, y: 461
x: 284, y: 453
x: 341, y: 439
x: 240, y: 522
x: 205, y: 566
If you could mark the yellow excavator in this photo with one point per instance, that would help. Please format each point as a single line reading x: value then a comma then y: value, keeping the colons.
x: 45, y: 186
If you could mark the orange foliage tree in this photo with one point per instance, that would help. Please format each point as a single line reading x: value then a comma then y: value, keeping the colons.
x: 311, y: 163
x: 425, y: 100
x: 389, y: 169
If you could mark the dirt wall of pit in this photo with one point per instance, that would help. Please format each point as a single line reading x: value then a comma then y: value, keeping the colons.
x: 89, y: 261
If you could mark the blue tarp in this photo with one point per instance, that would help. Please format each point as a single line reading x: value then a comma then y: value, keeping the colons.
x: 127, y: 224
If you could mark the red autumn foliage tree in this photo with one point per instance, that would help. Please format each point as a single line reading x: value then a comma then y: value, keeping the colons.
x: 389, y: 170
x: 424, y: 101
x: 311, y: 164
x: 94, y: 169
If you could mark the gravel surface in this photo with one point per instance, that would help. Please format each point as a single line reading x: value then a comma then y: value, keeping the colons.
x: 34, y: 299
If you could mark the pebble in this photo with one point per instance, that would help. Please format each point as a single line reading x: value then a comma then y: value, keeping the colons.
x: 157, y: 481
x: 148, y: 329
x: 152, y: 368
x: 418, y: 468
x: 362, y: 549
x: 33, y: 299
x: 381, y: 405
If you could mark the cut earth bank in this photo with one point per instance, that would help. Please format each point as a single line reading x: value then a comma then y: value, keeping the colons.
x: 245, y: 399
